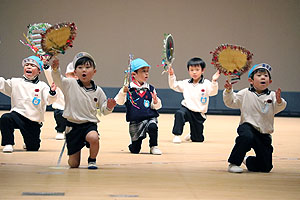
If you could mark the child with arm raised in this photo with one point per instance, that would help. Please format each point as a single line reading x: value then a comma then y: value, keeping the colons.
x: 258, y: 106
x: 29, y: 98
x: 82, y: 99
x: 196, y: 92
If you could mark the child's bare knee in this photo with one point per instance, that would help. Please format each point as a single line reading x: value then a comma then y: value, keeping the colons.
x: 74, y: 160
x: 92, y: 137
x: 73, y: 164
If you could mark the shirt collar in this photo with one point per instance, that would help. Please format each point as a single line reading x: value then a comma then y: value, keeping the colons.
x: 35, y: 80
x: 266, y: 91
x: 93, y: 88
x: 200, y: 81
x: 136, y: 86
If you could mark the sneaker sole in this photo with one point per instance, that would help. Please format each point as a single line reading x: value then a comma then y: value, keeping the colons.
x: 155, y: 153
x: 7, y: 151
x: 176, y: 142
x: 231, y: 171
x: 93, y: 167
x: 236, y: 172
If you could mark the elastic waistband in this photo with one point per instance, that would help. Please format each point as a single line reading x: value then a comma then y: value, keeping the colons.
x: 71, y: 124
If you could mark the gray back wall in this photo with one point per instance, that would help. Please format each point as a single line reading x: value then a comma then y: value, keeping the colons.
x: 111, y: 29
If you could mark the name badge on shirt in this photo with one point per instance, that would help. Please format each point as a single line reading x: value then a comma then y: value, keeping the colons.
x: 203, y: 100
x: 265, y: 107
x: 36, y: 101
x: 146, y: 103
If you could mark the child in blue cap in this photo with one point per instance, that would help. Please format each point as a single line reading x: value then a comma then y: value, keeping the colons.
x: 29, y: 98
x: 258, y: 105
x: 142, y: 103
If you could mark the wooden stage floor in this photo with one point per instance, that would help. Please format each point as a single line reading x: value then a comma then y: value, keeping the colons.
x: 184, y: 171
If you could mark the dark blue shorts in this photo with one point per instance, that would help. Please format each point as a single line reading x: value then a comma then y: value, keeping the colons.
x: 75, y: 135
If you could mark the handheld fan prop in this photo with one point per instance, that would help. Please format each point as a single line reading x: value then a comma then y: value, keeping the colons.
x: 34, y: 37
x: 47, y: 40
x: 58, y: 38
x: 232, y: 60
x: 168, y: 52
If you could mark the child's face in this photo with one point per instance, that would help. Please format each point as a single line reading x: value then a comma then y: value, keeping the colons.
x: 85, y: 73
x: 195, y: 72
x: 31, y: 70
x: 142, y: 74
x: 261, y: 81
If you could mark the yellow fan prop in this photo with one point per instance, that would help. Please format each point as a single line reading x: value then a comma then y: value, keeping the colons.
x: 231, y: 59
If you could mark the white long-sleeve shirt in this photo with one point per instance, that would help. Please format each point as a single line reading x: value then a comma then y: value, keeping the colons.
x: 195, y: 96
x: 80, y: 104
x: 60, y: 101
x: 27, y: 98
x: 257, y: 110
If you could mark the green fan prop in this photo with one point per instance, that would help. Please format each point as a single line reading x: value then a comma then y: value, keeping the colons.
x: 168, y: 52
x: 34, y: 37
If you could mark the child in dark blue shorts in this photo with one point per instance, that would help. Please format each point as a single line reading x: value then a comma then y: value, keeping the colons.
x: 82, y: 100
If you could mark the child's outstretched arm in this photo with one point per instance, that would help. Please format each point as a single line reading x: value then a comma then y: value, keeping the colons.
x: 216, y: 76
x: 228, y: 86
x: 5, y: 86
x: 52, y: 94
x: 56, y: 73
x: 48, y: 76
x: 106, y: 105
x: 230, y: 98
x: 173, y: 84
x: 120, y: 98
x: 111, y: 103
x: 280, y: 102
x: 278, y: 96
x: 156, y: 102
x: 171, y: 70
x: 213, y: 90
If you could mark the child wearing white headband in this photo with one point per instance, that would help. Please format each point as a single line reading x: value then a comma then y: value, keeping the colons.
x: 29, y: 98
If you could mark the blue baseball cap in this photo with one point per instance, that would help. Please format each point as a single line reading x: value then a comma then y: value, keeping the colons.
x: 138, y: 63
x: 260, y: 66
x: 35, y: 61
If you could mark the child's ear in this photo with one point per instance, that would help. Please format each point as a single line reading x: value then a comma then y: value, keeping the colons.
x: 270, y: 81
x: 203, y: 69
x: 133, y: 73
x: 250, y: 81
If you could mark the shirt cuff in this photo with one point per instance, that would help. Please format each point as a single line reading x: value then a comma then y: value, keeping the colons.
x: 52, y: 92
